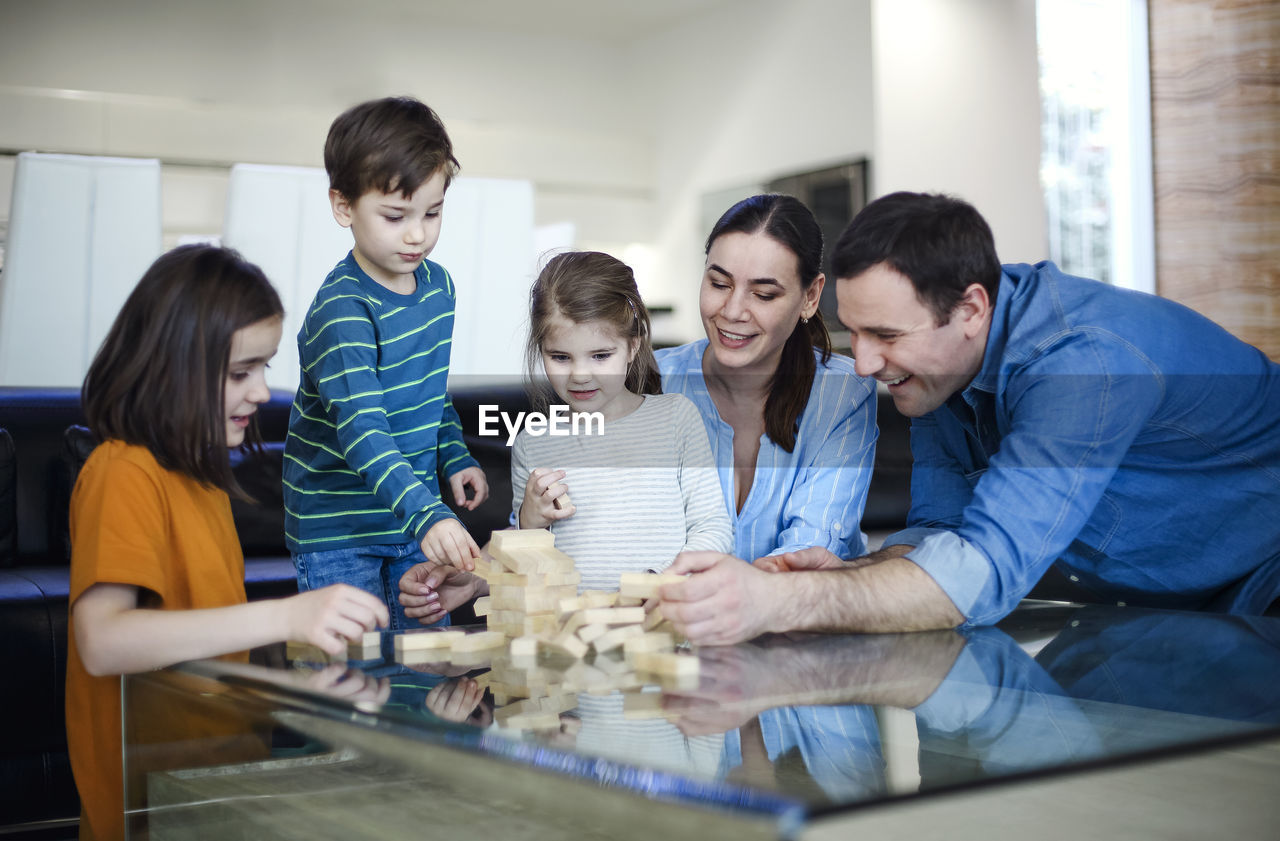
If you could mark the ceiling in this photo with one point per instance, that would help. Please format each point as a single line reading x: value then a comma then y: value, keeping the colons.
x: 618, y: 21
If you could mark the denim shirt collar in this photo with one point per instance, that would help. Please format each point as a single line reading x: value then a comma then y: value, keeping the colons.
x: 993, y: 357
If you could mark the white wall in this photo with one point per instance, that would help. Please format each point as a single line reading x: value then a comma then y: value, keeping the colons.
x: 957, y: 110
x: 742, y: 95
x: 622, y: 136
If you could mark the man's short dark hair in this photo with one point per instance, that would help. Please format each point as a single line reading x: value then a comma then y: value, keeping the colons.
x: 941, y: 244
x: 388, y: 144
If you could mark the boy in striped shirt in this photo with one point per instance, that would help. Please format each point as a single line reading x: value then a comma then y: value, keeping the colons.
x: 372, y: 425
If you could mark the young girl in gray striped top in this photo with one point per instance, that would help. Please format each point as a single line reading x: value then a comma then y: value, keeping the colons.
x: 623, y: 474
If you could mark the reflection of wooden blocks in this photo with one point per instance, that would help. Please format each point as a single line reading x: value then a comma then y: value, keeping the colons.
x: 478, y: 642
x: 613, y: 615
x: 482, y: 606
x: 616, y: 637
x: 429, y: 639
x: 662, y: 663
x: 645, y: 585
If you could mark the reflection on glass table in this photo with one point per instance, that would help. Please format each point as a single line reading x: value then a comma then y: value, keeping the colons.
x: 769, y: 738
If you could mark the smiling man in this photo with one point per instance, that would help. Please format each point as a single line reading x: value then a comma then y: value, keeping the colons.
x: 1057, y: 422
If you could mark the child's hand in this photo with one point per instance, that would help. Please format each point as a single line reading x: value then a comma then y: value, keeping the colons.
x: 539, y: 508
x: 429, y: 591
x: 329, y: 617
x: 474, y: 477
x: 447, y: 542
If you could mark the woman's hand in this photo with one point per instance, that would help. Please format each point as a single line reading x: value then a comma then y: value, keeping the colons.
x: 541, y: 493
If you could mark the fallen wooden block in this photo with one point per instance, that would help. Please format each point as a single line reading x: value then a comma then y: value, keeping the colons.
x: 645, y: 585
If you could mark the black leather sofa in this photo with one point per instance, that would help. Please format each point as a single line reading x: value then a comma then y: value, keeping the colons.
x: 40, y: 453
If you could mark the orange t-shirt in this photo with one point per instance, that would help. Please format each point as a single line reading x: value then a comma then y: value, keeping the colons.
x: 133, y: 522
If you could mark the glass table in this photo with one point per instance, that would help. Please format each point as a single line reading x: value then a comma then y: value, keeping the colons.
x: 1115, y: 715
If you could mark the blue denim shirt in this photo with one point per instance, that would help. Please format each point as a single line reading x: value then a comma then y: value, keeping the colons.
x: 1123, y: 435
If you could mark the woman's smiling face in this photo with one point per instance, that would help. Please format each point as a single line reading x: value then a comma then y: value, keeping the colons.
x: 751, y: 300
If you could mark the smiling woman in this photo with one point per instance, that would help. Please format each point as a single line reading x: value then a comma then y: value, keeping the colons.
x: 792, y: 427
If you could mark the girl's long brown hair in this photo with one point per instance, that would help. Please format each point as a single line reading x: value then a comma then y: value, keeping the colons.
x: 159, y: 378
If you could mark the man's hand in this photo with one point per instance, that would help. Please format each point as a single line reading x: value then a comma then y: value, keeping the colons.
x: 429, y: 591
x: 447, y: 542
x: 724, y: 601
x: 472, y: 477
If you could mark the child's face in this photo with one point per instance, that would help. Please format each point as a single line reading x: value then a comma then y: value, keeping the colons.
x: 393, y: 234
x: 251, y: 348
x: 587, y: 366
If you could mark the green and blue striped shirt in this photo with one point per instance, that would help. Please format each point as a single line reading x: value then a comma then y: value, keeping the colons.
x: 372, y: 424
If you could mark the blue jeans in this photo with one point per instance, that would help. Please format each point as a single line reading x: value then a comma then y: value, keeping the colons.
x: 376, y: 569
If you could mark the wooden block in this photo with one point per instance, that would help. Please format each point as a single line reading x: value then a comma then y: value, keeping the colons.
x: 426, y: 639
x: 568, y: 644
x: 562, y: 501
x: 654, y: 619
x: 643, y: 705
x: 653, y: 641
x: 507, y: 540
x: 507, y: 545
x: 484, y: 568
x: 630, y: 601
x: 524, y: 646
x: 590, y: 633
x: 616, y: 637
x: 479, y: 641
x: 613, y: 615
x: 662, y: 663
x: 308, y: 653
x: 598, y: 598
x: 482, y: 606
x: 644, y: 585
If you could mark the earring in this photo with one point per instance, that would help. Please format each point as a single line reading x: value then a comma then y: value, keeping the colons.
x: 804, y: 319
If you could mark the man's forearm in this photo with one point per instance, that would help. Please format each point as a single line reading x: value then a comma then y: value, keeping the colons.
x: 879, y: 593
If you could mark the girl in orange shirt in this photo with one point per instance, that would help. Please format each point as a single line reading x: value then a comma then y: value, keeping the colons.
x: 157, y: 574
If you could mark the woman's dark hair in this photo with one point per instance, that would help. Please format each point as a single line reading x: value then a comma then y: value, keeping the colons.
x: 159, y: 379
x: 788, y: 222
x: 941, y: 244
x: 588, y: 286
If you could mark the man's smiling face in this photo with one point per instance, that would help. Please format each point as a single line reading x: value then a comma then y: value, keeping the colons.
x: 896, y: 339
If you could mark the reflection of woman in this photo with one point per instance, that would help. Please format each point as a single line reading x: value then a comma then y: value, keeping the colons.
x: 796, y: 424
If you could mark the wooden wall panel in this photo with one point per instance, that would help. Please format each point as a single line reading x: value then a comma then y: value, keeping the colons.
x: 1215, y: 91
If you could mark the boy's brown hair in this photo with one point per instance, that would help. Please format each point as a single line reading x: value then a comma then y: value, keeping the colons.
x: 388, y: 144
